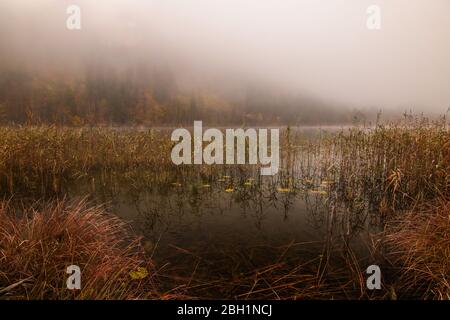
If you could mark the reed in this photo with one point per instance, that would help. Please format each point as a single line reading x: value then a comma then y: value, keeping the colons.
x: 384, y: 169
x: 48, y: 161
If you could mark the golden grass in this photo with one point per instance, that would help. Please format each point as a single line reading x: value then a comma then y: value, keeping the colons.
x: 419, y: 244
x: 37, y: 245
x: 386, y: 168
x: 47, y: 161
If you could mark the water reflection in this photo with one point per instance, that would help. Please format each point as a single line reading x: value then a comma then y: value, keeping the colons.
x: 240, y: 212
x: 228, y: 222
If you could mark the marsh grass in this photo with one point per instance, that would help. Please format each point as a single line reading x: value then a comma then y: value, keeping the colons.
x: 385, y: 168
x: 38, y: 244
x: 386, y: 171
x: 420, y: 251
x: 49, y: 161
x: 388, y: 167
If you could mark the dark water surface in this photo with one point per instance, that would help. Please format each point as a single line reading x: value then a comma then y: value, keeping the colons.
x: 237, y: 222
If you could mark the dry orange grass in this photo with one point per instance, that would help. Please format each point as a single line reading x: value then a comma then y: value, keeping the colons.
x: 37, y: 245
x: 420, y: 243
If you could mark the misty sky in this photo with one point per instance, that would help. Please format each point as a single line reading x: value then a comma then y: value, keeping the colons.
x: 318, y: 47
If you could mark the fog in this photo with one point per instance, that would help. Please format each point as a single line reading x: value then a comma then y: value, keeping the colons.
x: 319, y: 48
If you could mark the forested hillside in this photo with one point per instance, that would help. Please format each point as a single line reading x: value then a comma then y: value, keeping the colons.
x: 142, y: 97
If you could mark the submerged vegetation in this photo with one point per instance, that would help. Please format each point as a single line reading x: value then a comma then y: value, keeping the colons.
x: 383, y: 176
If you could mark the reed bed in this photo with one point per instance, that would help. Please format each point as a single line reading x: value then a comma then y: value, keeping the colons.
x: 45, y: 161
x: 384, y: 169
x: 390, y: 171
x: 48, y: 161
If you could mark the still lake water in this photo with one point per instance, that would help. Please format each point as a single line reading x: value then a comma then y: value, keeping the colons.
x: 234, y: 225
